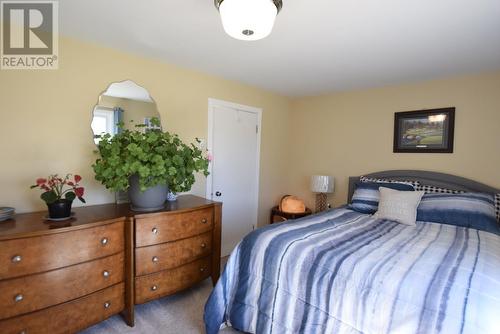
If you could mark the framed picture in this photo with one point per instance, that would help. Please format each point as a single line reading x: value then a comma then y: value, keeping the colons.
x: 424, y: 131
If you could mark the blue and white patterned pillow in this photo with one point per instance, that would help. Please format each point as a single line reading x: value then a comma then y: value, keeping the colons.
x: 415, y: 184
x: 473, y: 210
x: 366, y: 196
x: 439, y: 190
x: 497, y: 207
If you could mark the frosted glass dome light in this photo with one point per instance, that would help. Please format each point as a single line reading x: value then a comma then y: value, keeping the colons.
x: 248, y: 20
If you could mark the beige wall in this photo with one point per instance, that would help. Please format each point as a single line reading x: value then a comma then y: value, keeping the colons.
x: 46, y: 116
x: 351, y: 133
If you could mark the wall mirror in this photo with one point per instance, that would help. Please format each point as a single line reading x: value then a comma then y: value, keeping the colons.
x: 125, y: 102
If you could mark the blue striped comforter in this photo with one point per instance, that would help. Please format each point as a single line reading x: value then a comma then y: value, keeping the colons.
x: 346, y: 272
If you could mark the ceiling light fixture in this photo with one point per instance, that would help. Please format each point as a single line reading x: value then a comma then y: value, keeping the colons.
x: 248, y: 20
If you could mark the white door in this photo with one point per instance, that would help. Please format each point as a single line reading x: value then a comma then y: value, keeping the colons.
x: 234, y: 143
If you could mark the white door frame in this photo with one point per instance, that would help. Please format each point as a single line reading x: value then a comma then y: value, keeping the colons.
x: 212, y: 103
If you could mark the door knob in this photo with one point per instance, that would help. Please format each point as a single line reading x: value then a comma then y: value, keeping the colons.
x: 218, y: 194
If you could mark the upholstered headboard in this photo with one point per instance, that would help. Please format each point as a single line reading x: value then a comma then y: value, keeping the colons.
x: 427, y: 178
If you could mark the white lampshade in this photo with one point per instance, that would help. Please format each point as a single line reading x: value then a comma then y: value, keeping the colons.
x: 248, y: 20
x: 322, y: 184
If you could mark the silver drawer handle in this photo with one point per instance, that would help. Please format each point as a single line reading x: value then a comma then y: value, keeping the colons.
x: 18, y: 298
x: 203, y: 245
x: 107, y: 304
x: 105, y: 273
x: 154, y: 288
x: 23, y: 332
x: 204, y: 221
x: 155, y: 259
x: 16, y: 259
x: 154, y: 230
x: 104, y: 241
x: 202, y: 269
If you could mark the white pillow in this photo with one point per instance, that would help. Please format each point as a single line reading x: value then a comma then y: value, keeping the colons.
x: 400, y: 206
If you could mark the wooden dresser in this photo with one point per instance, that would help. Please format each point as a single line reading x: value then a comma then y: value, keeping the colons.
x: 64, y: 277
x: 176, y: 248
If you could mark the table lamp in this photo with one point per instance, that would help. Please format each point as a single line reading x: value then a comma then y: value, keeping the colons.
x: 322, y: 185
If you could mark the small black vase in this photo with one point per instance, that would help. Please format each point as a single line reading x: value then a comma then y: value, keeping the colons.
x: 60, y: 209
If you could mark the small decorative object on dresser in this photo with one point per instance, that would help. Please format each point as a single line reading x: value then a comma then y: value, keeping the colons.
x: 171, y: 196
x: 424, y: 131
x: 6, y: 213
x: 322, y: 185
x: 57, y: 198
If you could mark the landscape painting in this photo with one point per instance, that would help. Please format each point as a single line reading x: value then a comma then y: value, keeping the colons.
x: 429, y: 131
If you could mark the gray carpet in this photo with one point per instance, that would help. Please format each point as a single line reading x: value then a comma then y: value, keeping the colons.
x: 181, y: 313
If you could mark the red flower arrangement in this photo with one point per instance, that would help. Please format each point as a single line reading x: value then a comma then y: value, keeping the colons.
x: 53, y: 188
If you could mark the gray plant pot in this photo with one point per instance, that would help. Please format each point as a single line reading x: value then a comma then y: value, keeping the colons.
x: 152, y: 199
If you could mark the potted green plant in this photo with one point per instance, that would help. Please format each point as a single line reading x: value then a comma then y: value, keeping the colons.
x: 187, y: 160
x: 146, y: 163
x: 59, y: 193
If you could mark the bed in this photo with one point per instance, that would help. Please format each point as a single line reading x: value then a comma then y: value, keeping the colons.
x: 343, y: 271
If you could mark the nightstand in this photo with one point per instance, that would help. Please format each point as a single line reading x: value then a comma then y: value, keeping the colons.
x: 278, y: 216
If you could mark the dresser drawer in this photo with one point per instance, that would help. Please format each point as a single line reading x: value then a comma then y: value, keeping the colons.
x: 161, y: 228
x: 172, y: 254
x: 35, y: 292
x: 170, y: 281
x: 37, y: 254
x: 70, y: 317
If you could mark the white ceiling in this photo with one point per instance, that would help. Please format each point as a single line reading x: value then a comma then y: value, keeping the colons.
x: 317, y: 46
